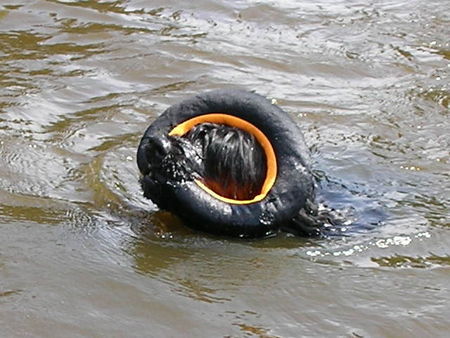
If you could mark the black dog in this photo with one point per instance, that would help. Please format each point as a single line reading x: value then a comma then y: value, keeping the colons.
x: 229, y: 161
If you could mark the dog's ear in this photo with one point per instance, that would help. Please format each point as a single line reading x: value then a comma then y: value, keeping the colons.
x: 234, y: 162
x: 201, y: 135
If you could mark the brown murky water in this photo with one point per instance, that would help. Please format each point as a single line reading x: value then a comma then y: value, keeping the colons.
x: 83, y: 254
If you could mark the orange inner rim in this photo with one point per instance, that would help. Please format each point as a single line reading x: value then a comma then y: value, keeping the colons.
x: 233, y: 121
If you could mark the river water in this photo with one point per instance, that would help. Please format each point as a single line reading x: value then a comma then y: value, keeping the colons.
x: 83, y: 254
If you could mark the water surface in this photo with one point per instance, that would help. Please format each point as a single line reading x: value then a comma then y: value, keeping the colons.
x: 82, y: 253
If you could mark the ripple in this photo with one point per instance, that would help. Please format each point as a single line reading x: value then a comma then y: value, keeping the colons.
x: 426, y: 262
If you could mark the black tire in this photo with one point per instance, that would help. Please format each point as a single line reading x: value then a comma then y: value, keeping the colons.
x: 200, y: 210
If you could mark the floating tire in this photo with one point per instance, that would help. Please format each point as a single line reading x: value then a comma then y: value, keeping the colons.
x: 288, y: 183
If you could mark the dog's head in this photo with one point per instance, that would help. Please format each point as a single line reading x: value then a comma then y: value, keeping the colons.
x: 228, y: 160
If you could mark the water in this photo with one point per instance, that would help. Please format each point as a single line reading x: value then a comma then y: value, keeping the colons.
x: 82, y: 253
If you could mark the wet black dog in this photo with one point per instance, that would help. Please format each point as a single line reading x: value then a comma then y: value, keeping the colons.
x: 229, y: 161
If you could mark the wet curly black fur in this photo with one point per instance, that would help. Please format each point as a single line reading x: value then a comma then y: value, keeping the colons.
x: 234, y: 163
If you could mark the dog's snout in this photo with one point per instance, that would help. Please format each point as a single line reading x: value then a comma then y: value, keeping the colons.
x: 159, y: 147
x: 151, y: 152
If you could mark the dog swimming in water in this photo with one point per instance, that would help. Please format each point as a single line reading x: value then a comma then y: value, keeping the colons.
x: 230, y: 162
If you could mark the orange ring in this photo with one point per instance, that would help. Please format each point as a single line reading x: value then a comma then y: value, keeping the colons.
x: 234, y: 121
